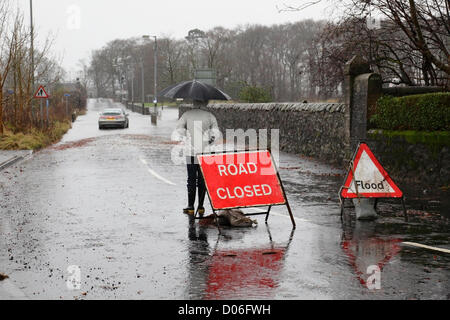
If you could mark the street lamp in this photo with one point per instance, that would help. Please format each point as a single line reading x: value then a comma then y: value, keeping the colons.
x: 130, y: 67
x: 119, y: 66
x: 143, y: 83
x: 132, y: 84
x: 155, y: 57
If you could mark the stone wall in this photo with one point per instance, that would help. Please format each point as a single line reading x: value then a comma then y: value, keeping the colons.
x: 311, y: 129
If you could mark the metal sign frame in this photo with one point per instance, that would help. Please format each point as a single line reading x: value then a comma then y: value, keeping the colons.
x: 267, y: 213
x: 351, y: 173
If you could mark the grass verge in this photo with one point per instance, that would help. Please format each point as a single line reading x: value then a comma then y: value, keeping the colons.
x: 35, y: 139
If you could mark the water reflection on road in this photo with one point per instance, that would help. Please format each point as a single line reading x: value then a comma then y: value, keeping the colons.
x: 367, y: 253
x: 216, y: 273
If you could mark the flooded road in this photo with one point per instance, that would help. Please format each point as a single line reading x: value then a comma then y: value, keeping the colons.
x: 99, y: 216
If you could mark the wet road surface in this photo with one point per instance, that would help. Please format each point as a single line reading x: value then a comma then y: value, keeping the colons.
x: 107, y: 206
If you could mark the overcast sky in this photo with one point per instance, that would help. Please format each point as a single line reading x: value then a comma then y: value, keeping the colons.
x: 80, y: 26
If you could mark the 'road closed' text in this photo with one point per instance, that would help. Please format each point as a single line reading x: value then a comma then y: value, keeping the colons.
x: 244, y: 192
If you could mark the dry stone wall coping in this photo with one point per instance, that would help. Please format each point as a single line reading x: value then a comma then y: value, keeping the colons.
x: 298, y: 107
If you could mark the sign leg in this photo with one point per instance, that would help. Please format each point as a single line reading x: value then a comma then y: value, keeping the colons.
x: 270, y: 235
x: 404, y: 209
x: 342, y: 200
x: 290, y: 214
x: 268, y: 212
x: 216, y: 219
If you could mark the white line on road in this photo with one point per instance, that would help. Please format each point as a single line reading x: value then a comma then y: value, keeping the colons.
x: 155, y: 174
x: 414, y: 244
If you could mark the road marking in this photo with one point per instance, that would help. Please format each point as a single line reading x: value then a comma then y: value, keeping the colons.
x: 155, y: 174
x: 414, y: 244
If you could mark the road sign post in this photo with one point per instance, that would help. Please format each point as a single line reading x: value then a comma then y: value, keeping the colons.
x: 47, y: 106
x: 243, y: 179
x: 41, y: 113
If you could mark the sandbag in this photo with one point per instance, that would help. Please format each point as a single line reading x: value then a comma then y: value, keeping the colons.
x: 236, y: 218
x: 231, y: 218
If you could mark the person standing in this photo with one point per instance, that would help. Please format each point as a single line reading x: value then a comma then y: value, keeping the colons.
x: 198, y: 128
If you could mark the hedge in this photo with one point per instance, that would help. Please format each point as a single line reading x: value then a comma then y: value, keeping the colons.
x: 255, y: 95
x: 422, y: 112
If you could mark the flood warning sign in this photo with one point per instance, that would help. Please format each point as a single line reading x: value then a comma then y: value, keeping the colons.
x: 368, y: 179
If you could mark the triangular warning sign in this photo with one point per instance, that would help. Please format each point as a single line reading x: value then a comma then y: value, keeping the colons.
x: 41, y: 93
x: 367, y: 178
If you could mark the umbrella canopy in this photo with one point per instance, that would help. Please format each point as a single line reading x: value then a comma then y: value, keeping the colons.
x: 194, y: 90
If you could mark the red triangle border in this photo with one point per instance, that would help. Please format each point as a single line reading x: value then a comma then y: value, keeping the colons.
x: 345, y: 194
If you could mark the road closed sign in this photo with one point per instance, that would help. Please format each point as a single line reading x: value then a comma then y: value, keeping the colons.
x: 368, y: 179
x: 241, y: 179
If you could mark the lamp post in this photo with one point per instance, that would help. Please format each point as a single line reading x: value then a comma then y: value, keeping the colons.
x: 32, y: 41
x: 155, y: 82
x: 119, y: 69
x: 132, y: 85
x: 131, y: 68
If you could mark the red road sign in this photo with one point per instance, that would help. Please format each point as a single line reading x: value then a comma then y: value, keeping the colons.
x: 41, y: 93
x: 368, y: 179
x: 241, y: 179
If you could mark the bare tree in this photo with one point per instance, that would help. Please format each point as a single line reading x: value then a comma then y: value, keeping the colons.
x: 6, y: 53
x: 412, y: 43
x: 17, y: 72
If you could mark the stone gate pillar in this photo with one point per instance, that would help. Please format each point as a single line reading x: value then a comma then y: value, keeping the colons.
x: 362, y: 89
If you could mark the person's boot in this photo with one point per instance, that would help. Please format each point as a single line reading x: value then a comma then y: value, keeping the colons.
x: 201, y: 200
x: 190, y: 210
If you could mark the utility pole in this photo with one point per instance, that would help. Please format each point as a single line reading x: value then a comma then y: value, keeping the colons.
x: 32, y: 54
x: 32, y: 42
x: 156, y: 73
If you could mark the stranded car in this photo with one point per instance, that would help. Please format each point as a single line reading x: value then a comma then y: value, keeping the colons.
x: 112, y: 118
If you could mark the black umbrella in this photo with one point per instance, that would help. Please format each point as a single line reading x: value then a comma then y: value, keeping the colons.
x: 194, y: 90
